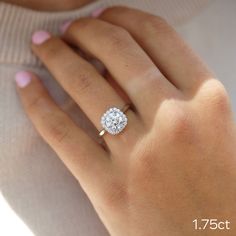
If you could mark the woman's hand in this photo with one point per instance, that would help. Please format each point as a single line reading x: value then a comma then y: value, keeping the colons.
x: 176, y: 159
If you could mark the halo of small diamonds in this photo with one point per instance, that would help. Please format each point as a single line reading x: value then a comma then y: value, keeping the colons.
x: 114, y: 121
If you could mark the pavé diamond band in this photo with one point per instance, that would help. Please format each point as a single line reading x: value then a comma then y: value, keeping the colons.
x: 114, y: 120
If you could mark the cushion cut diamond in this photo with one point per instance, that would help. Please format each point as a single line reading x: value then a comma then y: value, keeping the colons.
x: 114, y: 121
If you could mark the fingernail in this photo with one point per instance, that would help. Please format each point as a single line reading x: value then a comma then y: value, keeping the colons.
x: 65, y: 26
x: 40, y: 36
x: 22, y: 78
x: 96, y: 13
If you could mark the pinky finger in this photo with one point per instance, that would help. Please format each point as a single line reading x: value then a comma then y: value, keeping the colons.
x: 86, y: 159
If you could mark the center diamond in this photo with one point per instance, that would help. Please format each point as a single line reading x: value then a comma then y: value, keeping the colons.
x: 114, y: 121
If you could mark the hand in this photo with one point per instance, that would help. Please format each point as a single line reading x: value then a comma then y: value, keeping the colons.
x: 176, y: 159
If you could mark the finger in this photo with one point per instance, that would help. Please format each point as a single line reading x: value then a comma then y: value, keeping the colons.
x: 166, y: 48
x: 84, y: 84
x: 125, y: 60
x: 84, y: 157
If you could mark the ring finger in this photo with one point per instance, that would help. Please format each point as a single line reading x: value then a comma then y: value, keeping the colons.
x: 83, y: 83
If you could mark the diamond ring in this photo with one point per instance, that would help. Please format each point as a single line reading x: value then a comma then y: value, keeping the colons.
x: 114, y: 120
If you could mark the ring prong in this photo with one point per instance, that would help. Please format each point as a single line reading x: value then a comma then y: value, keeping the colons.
x: 102, y: 132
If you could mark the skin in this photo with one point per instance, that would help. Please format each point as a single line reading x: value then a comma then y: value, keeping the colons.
x: 50, y: 5
x: 176, y: 159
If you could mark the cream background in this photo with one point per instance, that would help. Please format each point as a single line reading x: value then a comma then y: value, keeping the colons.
x: 212, y: 33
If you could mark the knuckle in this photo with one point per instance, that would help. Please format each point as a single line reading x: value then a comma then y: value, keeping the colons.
x: 180, y: 126
x: 113, y: 38
x: 116, y: 39
x: 32, y: 106
x: 153, y: 24
x: 83, y: 81
x: 58, y: 130
x: 54, y: 125
x: 217, y: 97
x: 153, y: 79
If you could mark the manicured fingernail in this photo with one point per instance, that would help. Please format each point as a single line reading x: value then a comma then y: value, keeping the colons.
x: 65, y: 26
x: 96, y: 13
x: 22, y: 78
x: 40, y: 36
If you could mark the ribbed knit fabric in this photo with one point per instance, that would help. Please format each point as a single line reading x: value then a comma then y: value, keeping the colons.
x: 32, y: 179
x: 17, y: 24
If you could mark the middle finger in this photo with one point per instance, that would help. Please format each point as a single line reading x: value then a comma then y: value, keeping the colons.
x: 127, y: 62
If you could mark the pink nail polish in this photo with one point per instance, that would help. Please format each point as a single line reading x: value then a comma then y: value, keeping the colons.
x: 40, y: 37
x: 22, y: 78
x: 96, y: 13
x: 65, y: 26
